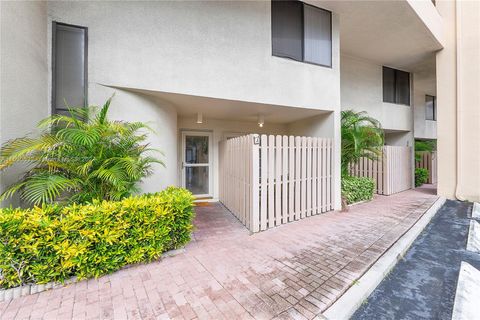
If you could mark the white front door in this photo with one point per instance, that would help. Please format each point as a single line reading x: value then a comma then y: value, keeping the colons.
x: 197, y: 162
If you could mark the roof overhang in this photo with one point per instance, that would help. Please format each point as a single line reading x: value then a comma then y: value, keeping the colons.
x: 397, y: 33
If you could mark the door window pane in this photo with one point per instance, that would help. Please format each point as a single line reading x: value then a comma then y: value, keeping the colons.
x: 287, y: 29
x: 318, y: 36
x: 196, y: 179
x: 69, y: 61
x: 196, y: 149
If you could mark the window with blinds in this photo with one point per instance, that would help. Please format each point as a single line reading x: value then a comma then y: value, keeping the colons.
x: 69, y: 76
x: 301, y: 32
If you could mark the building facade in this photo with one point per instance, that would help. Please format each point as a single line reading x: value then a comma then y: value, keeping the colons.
x: 203, y: 71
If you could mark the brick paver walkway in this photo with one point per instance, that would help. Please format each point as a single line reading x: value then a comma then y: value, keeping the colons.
x: 291, y: 272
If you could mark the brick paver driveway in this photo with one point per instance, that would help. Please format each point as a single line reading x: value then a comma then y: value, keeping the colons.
x: 293, y: 271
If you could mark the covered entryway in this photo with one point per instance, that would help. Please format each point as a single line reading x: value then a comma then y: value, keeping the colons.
x: 268, y: 180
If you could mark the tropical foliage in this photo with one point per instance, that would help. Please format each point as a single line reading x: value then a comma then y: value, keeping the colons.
x: 421, y: 176
x: 362, y: 136
x: 80, y: 157
x: 356, y: 189
x: 424, y: 145
x: 55, y: 243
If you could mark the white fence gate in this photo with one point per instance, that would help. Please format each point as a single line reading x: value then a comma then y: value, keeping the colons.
x: 270, y: 180
x: 392, y: 172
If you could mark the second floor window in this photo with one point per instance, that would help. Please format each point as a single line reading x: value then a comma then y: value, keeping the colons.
x: 396, y: 86
x: 430, y: 107
x: 69, y: 76
x: 301, y: 32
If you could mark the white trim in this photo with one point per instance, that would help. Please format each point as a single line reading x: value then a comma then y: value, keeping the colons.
x: 199, y: 133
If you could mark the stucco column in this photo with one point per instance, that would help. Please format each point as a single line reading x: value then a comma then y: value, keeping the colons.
x: 458, y: 96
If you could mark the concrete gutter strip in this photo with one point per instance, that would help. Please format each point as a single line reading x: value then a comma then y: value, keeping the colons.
x: 349, y: 302
x: 468, y: 293
x: 476, y: 210
x: 473, y: 242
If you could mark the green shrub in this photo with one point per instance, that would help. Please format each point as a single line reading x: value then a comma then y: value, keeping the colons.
x: 54, y: 243
x: 355, y: 189
x: 80, y: 157
x: 421, y: 176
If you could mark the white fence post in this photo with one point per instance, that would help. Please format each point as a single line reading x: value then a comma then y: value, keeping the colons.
x: 255, y: 199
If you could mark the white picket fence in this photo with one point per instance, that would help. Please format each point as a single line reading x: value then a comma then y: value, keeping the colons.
x: 428, y: 160
x: 392, y: 172
x: 266, y: 181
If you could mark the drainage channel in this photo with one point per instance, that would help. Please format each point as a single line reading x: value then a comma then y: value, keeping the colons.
x: 423, y: 285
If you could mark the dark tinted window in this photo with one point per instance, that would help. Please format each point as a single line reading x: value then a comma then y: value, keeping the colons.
x: 69, y: 65
x: 301, y: 32
x: 430, y: 108
x: 388, y: 85
x: 287, y: 29
x: 402, y: 87
x: 396, y: 86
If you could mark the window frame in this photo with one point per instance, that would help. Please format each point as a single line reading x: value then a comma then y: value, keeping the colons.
x: 54, y: 110
x: 434, y: 104
x: 303, y: 4
x: 395, y: 72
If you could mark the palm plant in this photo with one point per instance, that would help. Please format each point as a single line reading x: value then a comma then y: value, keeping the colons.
x: 80, y: 157
x: 362, y: 136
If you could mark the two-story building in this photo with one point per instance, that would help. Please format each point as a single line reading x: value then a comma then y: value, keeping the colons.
x: 203, y: 71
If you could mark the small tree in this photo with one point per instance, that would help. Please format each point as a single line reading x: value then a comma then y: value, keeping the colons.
x: 80, y: 157
x: 362, y: 136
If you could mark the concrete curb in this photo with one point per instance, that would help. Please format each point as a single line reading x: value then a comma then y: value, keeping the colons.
x: 349, y: 302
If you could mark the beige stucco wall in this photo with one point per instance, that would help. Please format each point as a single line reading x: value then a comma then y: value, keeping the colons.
x: 424, y: 83
x: 361, y: 90
x: 23, y: 83
x: 458, y: 94
x: 219, y: 49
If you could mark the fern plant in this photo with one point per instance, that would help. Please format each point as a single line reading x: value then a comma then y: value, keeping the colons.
x: 362, y: 136
x: 80, y: 157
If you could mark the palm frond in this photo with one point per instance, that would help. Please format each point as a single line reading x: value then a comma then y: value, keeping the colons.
x: 81, y: 136
x: 102, y: 115
x: 45, y: 188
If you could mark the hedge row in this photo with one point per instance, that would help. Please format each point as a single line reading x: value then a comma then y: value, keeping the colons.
x: 356, y: 189
x: 54, y: 243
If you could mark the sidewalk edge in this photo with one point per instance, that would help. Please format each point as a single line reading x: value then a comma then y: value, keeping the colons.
x: 349, y: 302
